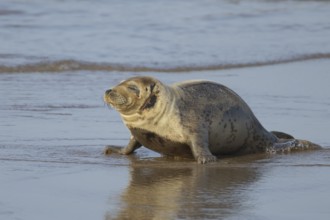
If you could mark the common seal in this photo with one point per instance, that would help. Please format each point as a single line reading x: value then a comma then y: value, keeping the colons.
x: 202, y: 119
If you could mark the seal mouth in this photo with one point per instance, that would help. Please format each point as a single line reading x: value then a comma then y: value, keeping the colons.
x: 107, y: 101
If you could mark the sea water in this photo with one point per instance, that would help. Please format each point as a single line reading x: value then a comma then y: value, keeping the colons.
x: 61, y: 35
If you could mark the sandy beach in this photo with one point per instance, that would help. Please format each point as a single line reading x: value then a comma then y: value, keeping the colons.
x: 55, y: 126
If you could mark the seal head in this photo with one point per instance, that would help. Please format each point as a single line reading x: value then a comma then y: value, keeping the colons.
x: 132, y: 96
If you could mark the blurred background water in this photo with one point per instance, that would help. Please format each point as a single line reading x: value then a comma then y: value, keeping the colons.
x: 162, y: 34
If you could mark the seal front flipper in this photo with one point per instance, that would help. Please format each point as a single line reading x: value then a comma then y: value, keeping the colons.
x: 132, y: 145
x: 201, y: 151
x: 203, y: 155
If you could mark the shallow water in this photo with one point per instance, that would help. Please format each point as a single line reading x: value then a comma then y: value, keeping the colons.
x: 254, y: 187
x: 55, y: 126
x: 159, y: 35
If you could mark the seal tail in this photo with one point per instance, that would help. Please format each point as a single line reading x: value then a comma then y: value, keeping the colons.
x: 285, y: 146
x: 282, y: 135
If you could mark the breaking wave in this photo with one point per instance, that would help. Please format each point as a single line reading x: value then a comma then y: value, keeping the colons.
x: 74, y: 65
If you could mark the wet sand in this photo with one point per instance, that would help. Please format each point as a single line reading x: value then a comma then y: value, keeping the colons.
x: 54, y: 127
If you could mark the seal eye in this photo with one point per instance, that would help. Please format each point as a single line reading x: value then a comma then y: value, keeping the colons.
x: 134, y: 89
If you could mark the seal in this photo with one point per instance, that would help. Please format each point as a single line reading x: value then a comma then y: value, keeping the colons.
x: 200, y: 119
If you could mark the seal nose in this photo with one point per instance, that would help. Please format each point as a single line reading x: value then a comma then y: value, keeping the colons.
x: 108, y: 91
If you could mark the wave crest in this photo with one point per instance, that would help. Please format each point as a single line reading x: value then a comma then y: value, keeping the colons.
x: 74, y: 65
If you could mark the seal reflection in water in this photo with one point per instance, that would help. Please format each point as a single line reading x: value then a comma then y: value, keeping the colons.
x: 185, y: 191
x: 199, y: 119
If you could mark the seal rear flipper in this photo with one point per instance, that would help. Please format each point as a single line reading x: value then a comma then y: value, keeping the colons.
x: 293, y: 145
x: 282, y: 135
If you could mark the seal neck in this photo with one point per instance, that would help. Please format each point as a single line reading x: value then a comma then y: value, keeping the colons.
x: 155, y: 107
